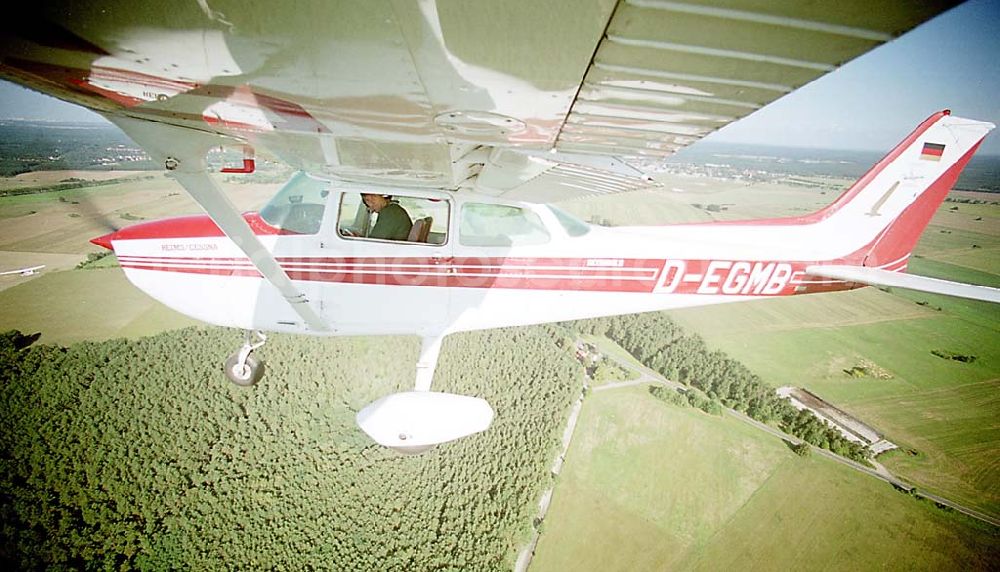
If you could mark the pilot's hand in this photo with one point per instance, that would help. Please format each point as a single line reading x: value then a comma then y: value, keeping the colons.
x: 349, y: 232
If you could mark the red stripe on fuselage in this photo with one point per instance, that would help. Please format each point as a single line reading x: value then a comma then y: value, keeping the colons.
x: 710, y: 277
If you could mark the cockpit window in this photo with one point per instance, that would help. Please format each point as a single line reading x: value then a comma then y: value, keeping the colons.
x: 298, y: 207
x: 572, y: 225
x: 500, y: 225
x: 394, y: 217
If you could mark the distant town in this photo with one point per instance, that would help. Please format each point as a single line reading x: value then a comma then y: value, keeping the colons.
x: 27, y: 146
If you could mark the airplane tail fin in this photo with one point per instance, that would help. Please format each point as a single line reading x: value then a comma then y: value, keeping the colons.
x: 892, y: 204
x: 889, y: 207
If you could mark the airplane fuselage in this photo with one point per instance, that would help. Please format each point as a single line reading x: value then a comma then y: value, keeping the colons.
x: 371, y: 286
x: 472, y: 261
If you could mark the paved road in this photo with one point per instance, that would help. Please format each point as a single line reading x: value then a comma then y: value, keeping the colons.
x: 646, y: 375
x: 524, y: 558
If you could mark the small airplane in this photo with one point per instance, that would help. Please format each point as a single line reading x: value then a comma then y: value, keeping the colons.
x: 470, y: 119
x: 31, y: 271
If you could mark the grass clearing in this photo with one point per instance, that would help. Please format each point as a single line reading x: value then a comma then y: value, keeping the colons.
x: 77, y: 305
x: 647, y: 486
x: 930, y: 404
x: 927, y: 405
x: 627, y: 499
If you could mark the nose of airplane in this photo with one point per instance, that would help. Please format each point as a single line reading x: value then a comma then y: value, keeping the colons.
x: 105, y: 240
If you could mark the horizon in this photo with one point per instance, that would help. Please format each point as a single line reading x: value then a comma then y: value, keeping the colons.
x: 703, y: 146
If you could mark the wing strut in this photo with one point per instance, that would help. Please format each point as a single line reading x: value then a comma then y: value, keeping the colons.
x: 183, y: 151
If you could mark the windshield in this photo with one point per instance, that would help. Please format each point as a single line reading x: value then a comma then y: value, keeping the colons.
x: 298, y: 207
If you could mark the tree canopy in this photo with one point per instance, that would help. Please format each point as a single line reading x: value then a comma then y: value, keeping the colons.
x: 139, y: 454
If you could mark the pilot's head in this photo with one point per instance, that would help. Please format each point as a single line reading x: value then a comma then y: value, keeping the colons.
x: 375, y: 202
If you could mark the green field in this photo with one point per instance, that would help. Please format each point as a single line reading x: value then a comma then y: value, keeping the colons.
x: 941, y: 409
x: 945, y: 410
x: 648, y: 486
x: 65, y: 221
x: 76, y: 305
x: 54, y: 228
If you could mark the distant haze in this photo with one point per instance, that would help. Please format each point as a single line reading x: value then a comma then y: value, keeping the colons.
x: 17, y: 102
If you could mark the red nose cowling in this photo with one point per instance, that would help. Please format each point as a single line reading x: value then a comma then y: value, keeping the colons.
x: 105, y: 240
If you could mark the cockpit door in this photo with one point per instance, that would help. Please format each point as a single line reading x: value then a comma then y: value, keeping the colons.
x: 388, y: 286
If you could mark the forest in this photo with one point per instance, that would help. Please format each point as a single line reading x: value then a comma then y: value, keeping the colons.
x: 138, y: 454
x: 663, y: 346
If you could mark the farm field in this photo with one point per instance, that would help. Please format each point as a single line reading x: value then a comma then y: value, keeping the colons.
x: 649, y: 486
x: 54, y: 229
x: 65, y: 221
x: 89, y: 304
x: 930, y: 405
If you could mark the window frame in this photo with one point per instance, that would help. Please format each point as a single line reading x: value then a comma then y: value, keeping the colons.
x: 395, y: 193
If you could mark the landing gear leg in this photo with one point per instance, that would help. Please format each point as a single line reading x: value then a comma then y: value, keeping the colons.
x: 412, y: 422
x: 241, y: 367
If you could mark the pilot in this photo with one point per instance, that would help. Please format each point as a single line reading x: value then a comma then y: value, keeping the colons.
x: 393, y: 222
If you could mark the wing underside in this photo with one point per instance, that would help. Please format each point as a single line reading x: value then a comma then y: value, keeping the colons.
x: 405, y: 92
x: 668, y: 73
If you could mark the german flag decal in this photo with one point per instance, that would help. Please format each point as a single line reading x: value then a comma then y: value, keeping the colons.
x: 932, y: 152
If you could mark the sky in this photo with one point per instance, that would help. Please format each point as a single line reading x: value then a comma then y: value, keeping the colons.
x: 951, y: 62
x: 873, y: 102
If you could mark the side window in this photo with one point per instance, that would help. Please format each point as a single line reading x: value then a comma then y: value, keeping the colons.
x: 500, y: 225
x: 298, y: 207
x: 396, y: 217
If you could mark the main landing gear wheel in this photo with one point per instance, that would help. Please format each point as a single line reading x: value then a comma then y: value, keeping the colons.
x: 242, y: 368
x: 246, y: 374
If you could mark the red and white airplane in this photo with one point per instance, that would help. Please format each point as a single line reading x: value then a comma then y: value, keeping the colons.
x: 472, y: 117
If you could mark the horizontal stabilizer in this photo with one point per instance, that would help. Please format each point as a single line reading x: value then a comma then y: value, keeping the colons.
x: 876, y: 277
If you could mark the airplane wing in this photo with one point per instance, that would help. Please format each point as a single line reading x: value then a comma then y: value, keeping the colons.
x: 878, y: 277
x: 427, y: 92
x: 535, y: 100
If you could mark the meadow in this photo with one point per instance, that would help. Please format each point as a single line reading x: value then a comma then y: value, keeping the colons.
x: 940, y: 412
x: 88, y: 304
x: 651, y: 486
